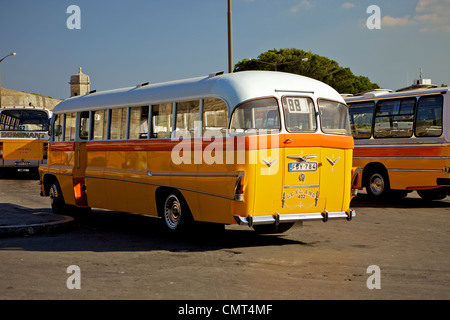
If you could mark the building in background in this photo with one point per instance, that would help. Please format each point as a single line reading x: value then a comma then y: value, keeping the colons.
x: 79, y: 84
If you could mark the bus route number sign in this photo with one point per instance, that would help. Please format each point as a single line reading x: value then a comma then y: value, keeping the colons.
x: 297, y: 105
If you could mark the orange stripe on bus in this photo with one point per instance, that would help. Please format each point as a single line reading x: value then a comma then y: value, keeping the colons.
x: 400, y: 152
x: 229, y: 143
x: 61, y: 146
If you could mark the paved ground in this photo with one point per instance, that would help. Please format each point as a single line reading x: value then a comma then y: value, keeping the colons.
x: 123, y: 256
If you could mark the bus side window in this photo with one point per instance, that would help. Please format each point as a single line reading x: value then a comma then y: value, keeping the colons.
x: 215, y: 116
x: 100, y: 125
x: 429, y: 117
x: 394, y: 118
x: 187, y: 117
x: 70, y: 127
x: 84, y: 125
x: 58, y: 128
x: 161, y: 121
x: 361, y: 116
x: 139, y: 122
x: 118, y: 125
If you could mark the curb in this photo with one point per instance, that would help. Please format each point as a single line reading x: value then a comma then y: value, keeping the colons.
x: 39, y: 228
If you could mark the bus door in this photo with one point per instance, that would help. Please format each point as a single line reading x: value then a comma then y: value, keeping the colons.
x: 80, y: 161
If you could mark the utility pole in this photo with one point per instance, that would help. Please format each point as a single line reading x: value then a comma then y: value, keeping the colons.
x: 230, y: 39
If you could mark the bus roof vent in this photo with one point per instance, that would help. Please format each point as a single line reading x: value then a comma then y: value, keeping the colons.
x: 214, y: 74
x: 142, y: 84
x: 92, y: 91
x: 374, y: 93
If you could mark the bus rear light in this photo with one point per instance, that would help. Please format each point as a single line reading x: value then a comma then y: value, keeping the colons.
x: 79, y: 189
x: 239, y: 190
x: 356, y: 180
x: 1, y: 150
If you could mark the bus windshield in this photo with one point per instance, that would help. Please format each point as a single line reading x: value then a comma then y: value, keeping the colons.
x: 23, y: 120
x: 255, y: 117
x: 334, y: 117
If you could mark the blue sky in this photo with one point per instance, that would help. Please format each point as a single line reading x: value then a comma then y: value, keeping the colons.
x: 123, y: 43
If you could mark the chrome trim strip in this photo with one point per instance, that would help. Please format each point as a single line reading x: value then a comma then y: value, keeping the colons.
x: 193, y: 174
x: 416, y: 170
x: 404, y: 158
x: 305, y: 158
x: 295, y: 217
x: 302, y: 186
x: 412, y: 145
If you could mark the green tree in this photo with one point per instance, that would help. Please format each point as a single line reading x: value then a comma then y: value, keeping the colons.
x: 317, y: 67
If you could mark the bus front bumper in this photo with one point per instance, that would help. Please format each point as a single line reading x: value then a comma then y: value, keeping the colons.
x: 288, y: 218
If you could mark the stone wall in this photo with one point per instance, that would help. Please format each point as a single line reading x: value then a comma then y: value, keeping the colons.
x: 19, y: 98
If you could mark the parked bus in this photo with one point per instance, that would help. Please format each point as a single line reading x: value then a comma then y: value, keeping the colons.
x: 23, y: 137
x: 402, y: 141
x: 263, y: 149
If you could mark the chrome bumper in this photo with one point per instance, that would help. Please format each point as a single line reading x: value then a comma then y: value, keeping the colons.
x: 287, y: 218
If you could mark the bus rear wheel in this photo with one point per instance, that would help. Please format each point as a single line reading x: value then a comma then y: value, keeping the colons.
x: 175, y: 213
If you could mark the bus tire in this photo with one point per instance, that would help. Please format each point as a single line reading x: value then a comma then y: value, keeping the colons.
x: 433, y: 194
x: 56, y: 198
x: 175, y: 213
x: 377, y: 184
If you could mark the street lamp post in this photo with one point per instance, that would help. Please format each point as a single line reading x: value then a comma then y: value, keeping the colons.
x: 11, y: 54
x: 230, y: 39
x: 274, y: 64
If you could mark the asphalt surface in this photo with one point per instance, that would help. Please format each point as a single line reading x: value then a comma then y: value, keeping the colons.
x: 27, y: 213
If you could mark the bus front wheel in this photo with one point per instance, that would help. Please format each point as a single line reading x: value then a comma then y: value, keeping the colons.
x: 56, y: 199
x: 377, y: 185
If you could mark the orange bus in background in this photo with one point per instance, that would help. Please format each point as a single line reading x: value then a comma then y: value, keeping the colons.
x: 402, y: 141
x: 23, y: 137
x: 263, y: 149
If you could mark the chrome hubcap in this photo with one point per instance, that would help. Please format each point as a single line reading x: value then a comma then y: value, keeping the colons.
x: 172, y: 212
x: 377, y: 184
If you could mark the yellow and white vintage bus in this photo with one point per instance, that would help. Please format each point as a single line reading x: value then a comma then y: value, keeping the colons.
x: 402, y: 141
x: 263, y: 149
x: 23, y: 137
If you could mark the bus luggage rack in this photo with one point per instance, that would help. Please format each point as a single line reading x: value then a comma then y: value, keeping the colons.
x: 286, y: 218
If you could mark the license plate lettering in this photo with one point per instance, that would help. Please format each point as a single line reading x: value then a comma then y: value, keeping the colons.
x: 302, y: 166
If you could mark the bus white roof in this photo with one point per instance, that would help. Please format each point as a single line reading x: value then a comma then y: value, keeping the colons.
x: 26, y: 108
x: 234, y: 88
x: 386, y: 94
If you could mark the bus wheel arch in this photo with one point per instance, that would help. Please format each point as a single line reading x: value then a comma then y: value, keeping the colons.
x: 376, y: 180
x: 173, y: 209
x: 56, y: 197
